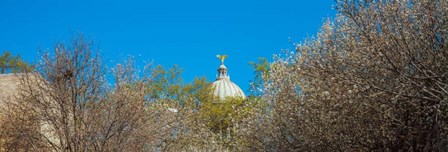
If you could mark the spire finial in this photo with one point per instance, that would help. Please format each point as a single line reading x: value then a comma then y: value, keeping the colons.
x: 222, y: 58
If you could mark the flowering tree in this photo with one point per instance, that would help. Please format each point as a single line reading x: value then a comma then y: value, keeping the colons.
x: 374, y: 79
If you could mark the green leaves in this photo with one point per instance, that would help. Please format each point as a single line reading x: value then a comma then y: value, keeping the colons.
x: 12, y: 64
x: 261, y: 70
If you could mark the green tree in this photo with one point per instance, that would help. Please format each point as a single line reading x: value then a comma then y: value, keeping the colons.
x: 261, y: 69
x: 10, y: 63
x: 227, y: 119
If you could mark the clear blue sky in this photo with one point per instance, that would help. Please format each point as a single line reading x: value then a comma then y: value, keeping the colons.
x: 187, y: 33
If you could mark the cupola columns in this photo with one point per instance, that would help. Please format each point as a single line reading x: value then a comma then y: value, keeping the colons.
x: 223, y: 87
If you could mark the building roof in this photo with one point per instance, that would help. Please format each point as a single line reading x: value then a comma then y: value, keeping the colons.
x: 223, y: 87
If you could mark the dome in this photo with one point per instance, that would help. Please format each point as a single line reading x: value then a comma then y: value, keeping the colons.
x: 223, y: 87
x: 222, y: 67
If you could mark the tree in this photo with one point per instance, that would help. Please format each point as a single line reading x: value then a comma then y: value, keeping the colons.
x: 375, y: 79
x: 261, y: 69
x: 66, y: 105
x: 10, y: 63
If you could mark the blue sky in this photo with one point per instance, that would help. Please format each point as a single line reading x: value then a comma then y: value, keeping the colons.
x: 187, y: 33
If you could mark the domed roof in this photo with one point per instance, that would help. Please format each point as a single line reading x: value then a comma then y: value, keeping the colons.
x: 222, y: 67
x: 223, y: 87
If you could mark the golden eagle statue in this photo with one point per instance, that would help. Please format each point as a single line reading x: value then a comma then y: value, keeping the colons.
x: 221, y: 57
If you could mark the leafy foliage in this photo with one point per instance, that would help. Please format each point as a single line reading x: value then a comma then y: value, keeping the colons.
x: 14, y: 64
